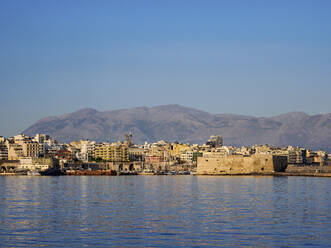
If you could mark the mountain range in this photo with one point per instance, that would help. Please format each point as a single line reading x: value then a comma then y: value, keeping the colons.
x: 183, y: 124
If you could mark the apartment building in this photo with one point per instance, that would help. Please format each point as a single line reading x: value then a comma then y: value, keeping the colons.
x: 3, y: 152
x: 112, y: 152
x: 30, y: 149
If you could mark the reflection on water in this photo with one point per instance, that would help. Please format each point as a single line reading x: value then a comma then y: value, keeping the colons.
x: 163, y: 211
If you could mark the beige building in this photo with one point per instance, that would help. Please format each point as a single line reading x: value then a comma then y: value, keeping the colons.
x: 30, y: 149
x: 15, y: 151
x: 187, y: 156
x: 35, y: 164
x: 21, y: 138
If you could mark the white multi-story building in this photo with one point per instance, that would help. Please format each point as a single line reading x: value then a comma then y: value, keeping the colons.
x: 87, y: 151
x: 15, y: 151
x: 21, y: 138
x: 187, y: 156
x: 41, y: 138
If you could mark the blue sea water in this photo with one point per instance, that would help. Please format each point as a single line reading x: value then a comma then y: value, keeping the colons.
x: 165, y: 211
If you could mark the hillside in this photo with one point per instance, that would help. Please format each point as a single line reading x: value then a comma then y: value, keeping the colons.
x: 178, y: 123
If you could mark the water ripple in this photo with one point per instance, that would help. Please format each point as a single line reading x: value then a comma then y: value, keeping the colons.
x: 165, y: 211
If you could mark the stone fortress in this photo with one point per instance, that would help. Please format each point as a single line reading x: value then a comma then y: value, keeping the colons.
x: 219, y: 164
x: 222, y: 160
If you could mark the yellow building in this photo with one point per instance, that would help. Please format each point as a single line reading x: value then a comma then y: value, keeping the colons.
x: 177, y: 149
x: 112, y: 152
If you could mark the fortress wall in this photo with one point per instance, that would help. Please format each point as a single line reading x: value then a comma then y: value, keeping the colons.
x: 308, y: 169
x: 239, y: 164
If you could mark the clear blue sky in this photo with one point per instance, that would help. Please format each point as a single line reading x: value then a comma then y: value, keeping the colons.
x: 257, y: 58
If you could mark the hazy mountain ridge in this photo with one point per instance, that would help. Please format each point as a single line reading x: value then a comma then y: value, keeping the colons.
x: 178, y: 123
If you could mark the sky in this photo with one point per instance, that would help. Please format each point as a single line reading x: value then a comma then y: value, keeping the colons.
x: 259, y: 58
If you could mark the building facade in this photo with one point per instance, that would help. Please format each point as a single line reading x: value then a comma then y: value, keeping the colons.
x: 112, y: 152
x: 30, y: 149
x: 3, y: 152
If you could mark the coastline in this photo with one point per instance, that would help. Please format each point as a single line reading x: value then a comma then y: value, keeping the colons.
x: 275, y: 174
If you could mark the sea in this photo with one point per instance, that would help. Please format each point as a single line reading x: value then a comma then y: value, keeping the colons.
x: 165, y: 211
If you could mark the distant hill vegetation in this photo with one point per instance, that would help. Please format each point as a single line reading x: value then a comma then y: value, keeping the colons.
x: 182, y: 124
